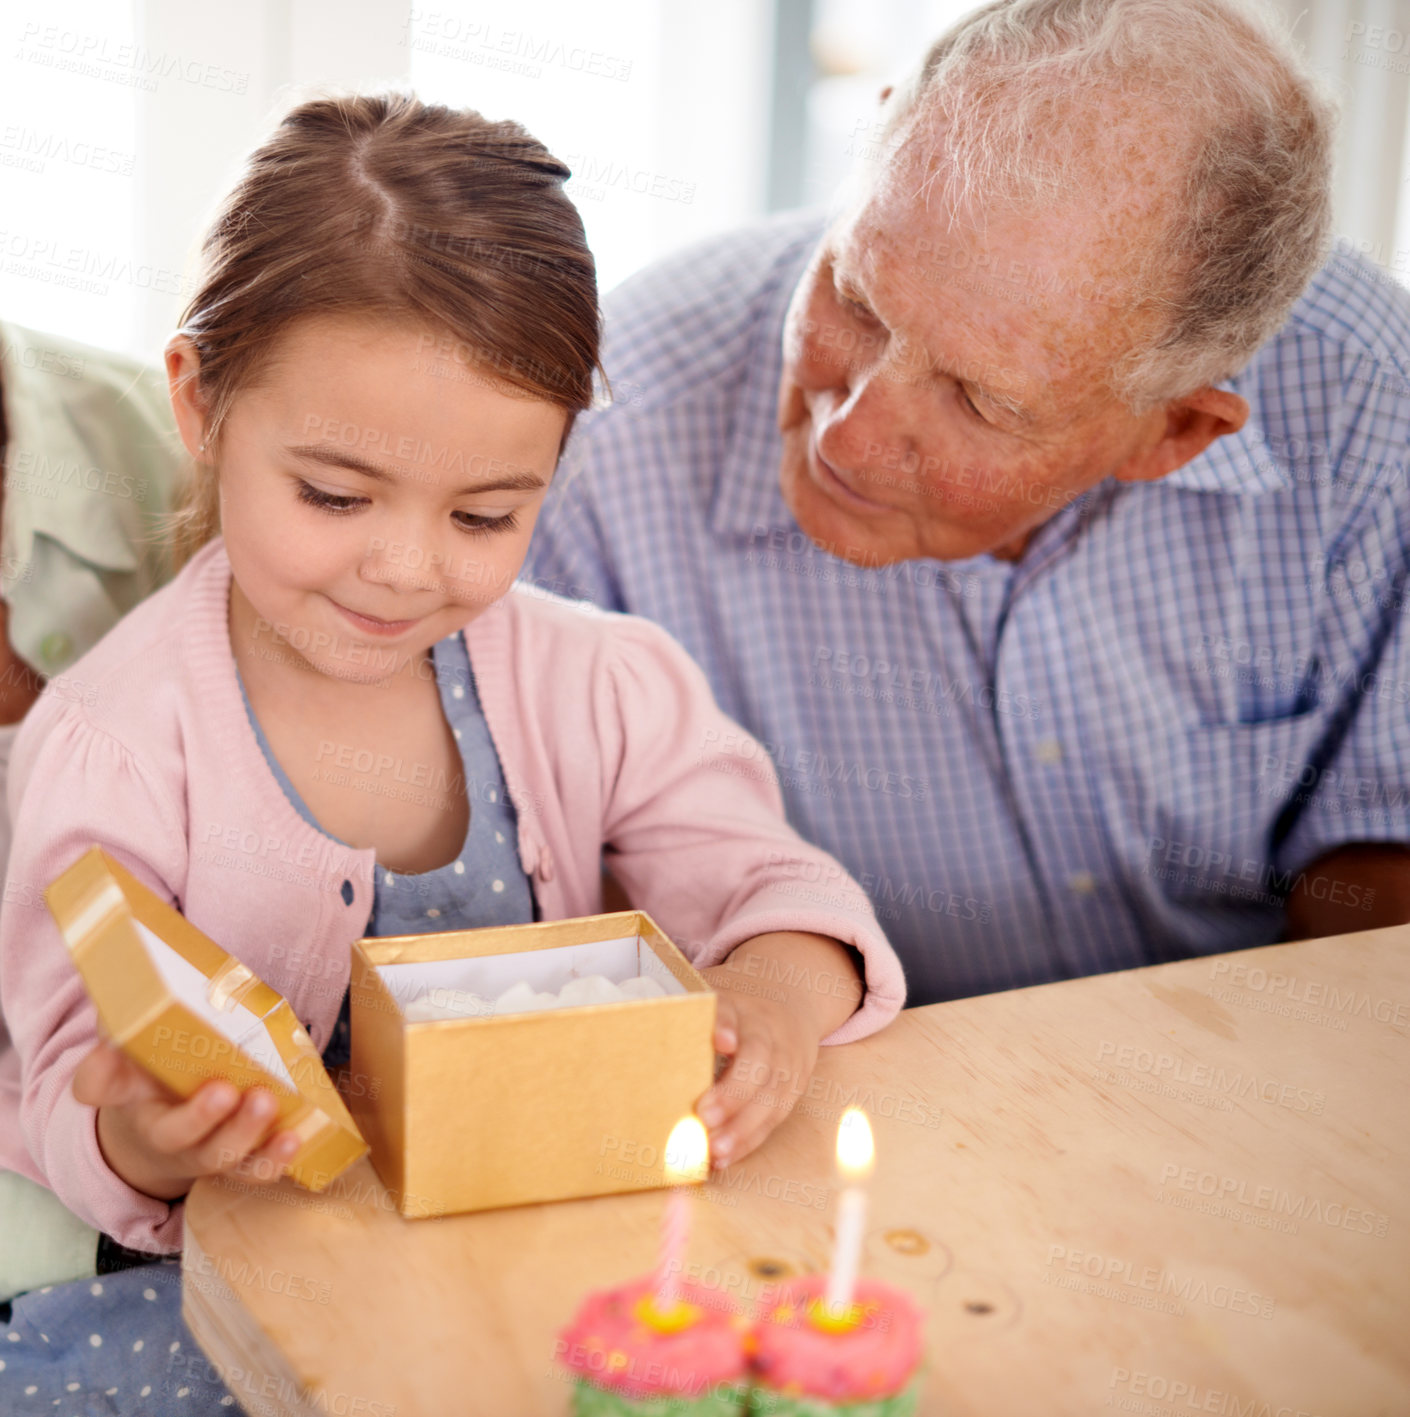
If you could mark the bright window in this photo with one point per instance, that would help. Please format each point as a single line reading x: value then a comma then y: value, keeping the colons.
x: 70, y: 170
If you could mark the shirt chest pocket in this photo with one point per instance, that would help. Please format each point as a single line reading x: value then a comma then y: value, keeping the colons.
x: 1231, y: 796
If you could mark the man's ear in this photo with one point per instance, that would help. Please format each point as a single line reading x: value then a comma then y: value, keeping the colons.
x: 1190, y: 425
x: 183, y: 366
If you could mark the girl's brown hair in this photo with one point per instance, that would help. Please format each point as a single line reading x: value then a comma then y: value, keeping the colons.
x: 384, y: 205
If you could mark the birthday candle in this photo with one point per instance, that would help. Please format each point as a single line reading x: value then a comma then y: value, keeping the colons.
x: 687, y: 1157
x: 855, y: 1155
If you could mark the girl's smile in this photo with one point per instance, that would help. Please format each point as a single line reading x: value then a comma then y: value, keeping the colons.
x: 373, y: 626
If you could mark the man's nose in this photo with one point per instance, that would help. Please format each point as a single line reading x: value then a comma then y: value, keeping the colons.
x: 869, y: 422
x: 834, y: 355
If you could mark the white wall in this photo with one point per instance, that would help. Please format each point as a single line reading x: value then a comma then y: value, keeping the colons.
x: 1362, y: 49
x: 69, y: 169
x: 122, y: 123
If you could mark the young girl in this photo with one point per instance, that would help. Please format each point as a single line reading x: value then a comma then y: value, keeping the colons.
x: 342, y: 718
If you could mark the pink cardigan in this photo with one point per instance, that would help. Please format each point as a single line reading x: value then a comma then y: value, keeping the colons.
x: 607, y: 734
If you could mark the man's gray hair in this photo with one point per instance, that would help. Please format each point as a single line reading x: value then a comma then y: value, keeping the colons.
x: 1250, y: 217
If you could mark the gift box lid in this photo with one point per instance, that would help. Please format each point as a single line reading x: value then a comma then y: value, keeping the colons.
x: 185, y: 1010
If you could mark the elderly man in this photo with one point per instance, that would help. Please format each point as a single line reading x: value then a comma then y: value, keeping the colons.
x: 1046, y: 515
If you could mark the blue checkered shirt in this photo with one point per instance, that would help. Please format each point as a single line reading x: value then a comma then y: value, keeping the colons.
x: 1124, y: 748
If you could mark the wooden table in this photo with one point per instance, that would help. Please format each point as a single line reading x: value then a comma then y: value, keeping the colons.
x: 1174, y: 1190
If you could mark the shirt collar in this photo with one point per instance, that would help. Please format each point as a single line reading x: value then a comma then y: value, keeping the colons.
x: 748, y: 498
x: 1239, y: 463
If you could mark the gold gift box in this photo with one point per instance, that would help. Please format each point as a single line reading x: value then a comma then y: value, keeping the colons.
x: 185, y: 1010
x: 475, y: 1112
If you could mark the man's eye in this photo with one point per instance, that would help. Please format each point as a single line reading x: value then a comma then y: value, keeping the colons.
x: 856, y: 308
x: 472, y: 521
x: 328, y: 501
x: 969, y: 403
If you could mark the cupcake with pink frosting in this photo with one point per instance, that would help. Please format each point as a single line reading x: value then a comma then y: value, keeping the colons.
x: 808, y: 1365
x: 630, y: 1360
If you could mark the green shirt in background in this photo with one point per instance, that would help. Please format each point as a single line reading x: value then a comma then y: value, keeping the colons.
x: 93, y: 460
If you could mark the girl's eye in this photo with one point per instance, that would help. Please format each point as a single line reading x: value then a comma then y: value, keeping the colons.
x: 339, y: 505
x: 472, y: 521
x: 328, y: 501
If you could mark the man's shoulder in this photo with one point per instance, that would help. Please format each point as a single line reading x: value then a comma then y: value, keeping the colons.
x: 1358, y: 307
x: 93, y: 461
x: 690, y: 319
x: 1330, y: 391
x: 85, y: 374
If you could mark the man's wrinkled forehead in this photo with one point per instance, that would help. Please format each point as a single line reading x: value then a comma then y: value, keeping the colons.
x: 1052, y: 287
x: 939, y: 294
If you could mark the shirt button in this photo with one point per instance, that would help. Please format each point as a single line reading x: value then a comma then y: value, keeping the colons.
x: 1081, y: 883
x: 55, y: 648
x: 1048, y: 751
x: 347, y: 892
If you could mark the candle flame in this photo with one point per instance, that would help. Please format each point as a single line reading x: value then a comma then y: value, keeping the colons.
x: 687, y: 1151
x: 855, y: 1149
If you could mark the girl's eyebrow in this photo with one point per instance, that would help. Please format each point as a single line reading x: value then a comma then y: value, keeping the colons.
x: 511, y: 479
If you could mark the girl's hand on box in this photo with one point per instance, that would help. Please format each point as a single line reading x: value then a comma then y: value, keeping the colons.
x: 779, y: 995
x: 161, y: 1144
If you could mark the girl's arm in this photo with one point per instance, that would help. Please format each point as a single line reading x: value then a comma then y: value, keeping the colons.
x: 697, y: 836
x: 73, y: 786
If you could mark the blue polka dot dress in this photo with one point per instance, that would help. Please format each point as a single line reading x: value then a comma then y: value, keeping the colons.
x: 115, y: 1345
x: 485, y: 884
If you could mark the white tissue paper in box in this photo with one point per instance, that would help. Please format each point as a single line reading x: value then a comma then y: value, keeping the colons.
x: 524, y: 998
